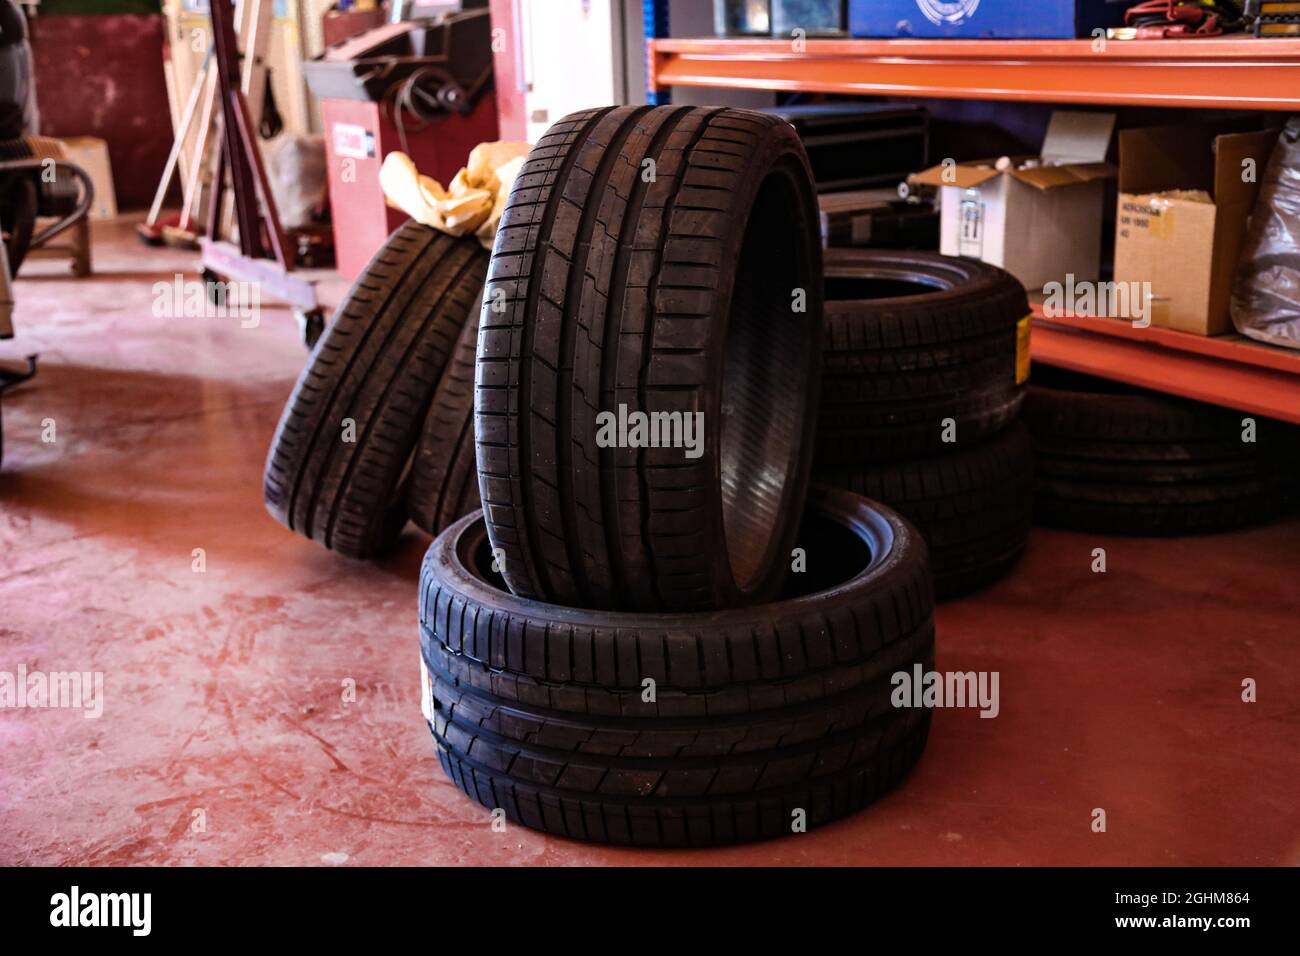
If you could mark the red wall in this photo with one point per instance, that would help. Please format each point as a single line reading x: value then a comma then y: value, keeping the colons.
x: 103, y: 76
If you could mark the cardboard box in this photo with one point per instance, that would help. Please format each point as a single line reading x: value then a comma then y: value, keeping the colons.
x: 1186, y: 247
x: 1008, y: 19
x: 91, y: 154
x: 1040, y: 223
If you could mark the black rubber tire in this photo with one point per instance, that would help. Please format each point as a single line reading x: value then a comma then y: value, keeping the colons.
x: 973, y: 506
x: 444, y: 478
x: 618, y: 288
x: 378, y: 364
x: 901, y: 357
x: 1117, y: 460
x: 540, y: 710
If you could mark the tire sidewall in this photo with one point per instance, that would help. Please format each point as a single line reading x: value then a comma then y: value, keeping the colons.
x: 782, y: 153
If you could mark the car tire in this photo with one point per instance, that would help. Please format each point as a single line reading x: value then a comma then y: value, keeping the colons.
x: 1118, y: 460
x: 631, y: 239
x: 682, y: 729
x: 444, y: 478
x: 373, y: 371
x: 973, y: 506
x: 915, y: 339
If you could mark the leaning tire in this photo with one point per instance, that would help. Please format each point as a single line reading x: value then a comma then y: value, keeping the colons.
x: 972, y: 506
x: 1116, y: 460
x: 377, y: 365
x: 444, y: 479
x: 545, y: 712
x: 649, y: 259
x: 915, y: 338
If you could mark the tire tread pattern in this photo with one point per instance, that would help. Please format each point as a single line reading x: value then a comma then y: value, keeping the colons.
x: 376, y: 364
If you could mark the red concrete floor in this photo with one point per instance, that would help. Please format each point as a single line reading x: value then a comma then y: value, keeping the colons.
x: 224, y: 689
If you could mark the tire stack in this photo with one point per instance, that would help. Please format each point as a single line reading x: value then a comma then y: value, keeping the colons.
x: 1113, y: 459
x: 617, y: 648
x: 925, y: 363
x: 379, y: 427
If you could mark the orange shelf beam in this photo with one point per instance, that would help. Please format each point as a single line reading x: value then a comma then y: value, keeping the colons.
x: 1225, y: 371
x: 1229, y: 72
x: 1227, y: 348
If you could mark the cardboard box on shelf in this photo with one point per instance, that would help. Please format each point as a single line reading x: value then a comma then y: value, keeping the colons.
x: 91, y: 154
x: 1040, y: 217
x: 1185, y: 196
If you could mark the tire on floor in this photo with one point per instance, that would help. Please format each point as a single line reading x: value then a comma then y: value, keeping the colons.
x: 915, y: 339
x: 340, y: 459
x: 1119, y: 460
x: 682, y: 729
x: 972, y: 506
x: 654, y: 262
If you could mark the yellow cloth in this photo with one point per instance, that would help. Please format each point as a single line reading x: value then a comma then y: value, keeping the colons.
x: 473, y: 203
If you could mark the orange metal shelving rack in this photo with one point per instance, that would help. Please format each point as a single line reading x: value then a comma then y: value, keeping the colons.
x: 1224, y: 72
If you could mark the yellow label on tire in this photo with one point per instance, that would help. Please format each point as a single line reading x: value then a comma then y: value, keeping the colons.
x: 1022, y: 350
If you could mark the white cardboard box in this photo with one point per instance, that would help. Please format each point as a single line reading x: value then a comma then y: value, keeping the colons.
x: 1041, y: 222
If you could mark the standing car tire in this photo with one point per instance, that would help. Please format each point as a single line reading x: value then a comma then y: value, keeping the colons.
x: 651, y: 261
x: 682, y: 729
x: 913, y: 339
x: 1118, y: 460
x: 370, y: 378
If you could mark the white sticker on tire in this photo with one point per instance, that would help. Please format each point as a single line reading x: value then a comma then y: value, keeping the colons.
x: 426, y: 691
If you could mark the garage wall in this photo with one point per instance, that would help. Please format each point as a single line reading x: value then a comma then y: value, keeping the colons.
x: 103, y: 76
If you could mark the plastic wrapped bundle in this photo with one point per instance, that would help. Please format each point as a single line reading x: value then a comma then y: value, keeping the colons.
x: 1266, y: 297
x: 299, y: 179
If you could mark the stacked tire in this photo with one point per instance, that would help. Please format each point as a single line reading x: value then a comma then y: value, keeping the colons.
x: 1114, y: 459
x: 925, y: 366
x: 664, y: 641
x: 681, y: 729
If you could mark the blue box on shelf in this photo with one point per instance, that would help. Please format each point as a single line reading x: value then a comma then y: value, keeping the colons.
x: 984, y: 19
